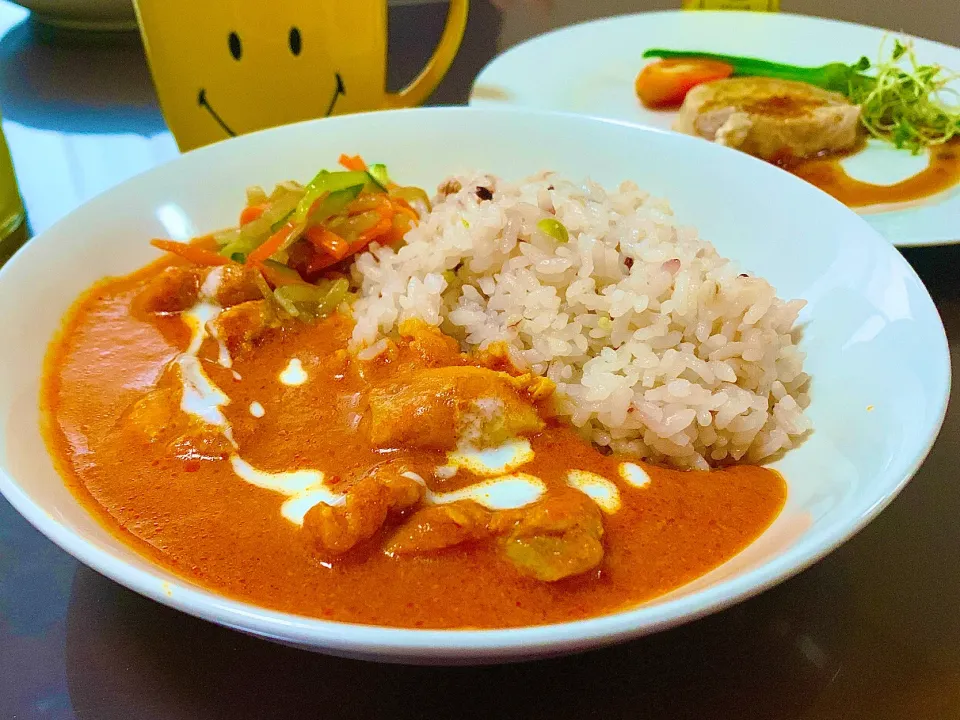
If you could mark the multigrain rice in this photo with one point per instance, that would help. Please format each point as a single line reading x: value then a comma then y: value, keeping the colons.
x: 659, y: 347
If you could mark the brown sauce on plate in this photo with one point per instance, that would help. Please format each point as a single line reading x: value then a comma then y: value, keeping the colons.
x: 827, y: 173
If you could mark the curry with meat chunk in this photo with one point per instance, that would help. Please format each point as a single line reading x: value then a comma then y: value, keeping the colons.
x: 417, y: 487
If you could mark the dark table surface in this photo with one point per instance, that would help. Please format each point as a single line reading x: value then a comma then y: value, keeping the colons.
x: 872, y: 631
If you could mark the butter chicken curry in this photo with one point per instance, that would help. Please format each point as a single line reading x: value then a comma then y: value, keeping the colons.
x: 257, y: 455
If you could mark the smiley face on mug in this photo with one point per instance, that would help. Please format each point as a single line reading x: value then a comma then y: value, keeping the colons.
x: 227, y: 68
x: 235, y: 45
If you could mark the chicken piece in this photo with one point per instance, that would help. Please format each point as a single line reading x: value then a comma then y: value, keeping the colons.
x: 433, y: 347
x: 337, y: 529
x: 157, y: 417
x: 552, y: 539
x: 180, y: 287
x: 154, y: 415
x: 200, y: 442
x: 238, y: 327
x: 441, y: 526
x: 534, y: 387
x: 770, y: 118
x: 232, y: 285
x: 442, y: 408
x: 498, y: 356
x: 173, y: 290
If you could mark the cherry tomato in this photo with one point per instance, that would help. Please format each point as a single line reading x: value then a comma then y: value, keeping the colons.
x: 665, y: 83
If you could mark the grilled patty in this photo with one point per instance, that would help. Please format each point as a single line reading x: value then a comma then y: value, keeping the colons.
x: 772, y: 119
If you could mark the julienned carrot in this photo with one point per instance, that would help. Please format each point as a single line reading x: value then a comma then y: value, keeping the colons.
x: 401, y: 224
x: 320, y: 261
x: 384, y: 229
x: 270, y: 246
x: 191, y: 253
x: 207, y: 242
x: 381, y: 228
x: 327, y: 241
x: 353, y: 162
x: 387, y: 208
x: 251, y: 213
x: 365, y: 202
x: 405, y: 209
x: 280, y: 275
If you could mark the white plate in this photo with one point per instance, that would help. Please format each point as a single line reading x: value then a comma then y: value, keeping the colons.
x: 877, y: 349
x: 591, y: 68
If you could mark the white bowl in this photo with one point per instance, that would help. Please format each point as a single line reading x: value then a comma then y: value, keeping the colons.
x: 876, y: 346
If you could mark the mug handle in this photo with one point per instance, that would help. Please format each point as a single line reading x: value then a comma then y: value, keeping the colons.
x: 431, y: 75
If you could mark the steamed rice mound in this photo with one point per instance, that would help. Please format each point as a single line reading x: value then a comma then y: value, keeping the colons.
x: 659, y: 347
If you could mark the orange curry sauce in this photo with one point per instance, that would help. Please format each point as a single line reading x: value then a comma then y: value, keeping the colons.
x: 203, y: 522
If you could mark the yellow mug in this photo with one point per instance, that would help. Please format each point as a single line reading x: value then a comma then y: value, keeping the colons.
x: 757, y: 5
x: 223, y: 68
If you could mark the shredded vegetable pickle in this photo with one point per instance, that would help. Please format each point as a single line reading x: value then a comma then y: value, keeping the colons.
x: 311, y: 302
x: 297, y: 235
